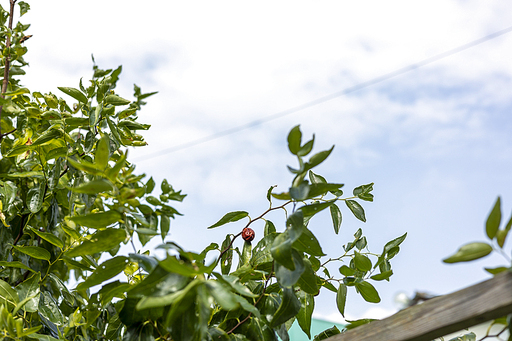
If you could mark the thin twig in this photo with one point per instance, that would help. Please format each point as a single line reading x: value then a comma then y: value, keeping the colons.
x: 7, y: 60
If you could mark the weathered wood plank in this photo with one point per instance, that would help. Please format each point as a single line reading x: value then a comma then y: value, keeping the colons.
x: 441, y: 315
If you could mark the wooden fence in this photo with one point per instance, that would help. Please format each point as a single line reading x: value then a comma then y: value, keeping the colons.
x: 442, y: 315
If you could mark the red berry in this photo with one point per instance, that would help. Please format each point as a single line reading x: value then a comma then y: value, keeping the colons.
x: 248, y: 234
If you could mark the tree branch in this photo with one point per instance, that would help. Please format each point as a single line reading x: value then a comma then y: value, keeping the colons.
x: 7, y: 61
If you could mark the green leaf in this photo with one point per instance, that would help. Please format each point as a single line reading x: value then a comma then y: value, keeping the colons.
x: 94, y: 115
x: 319, y: 189
x: 336, y: 217
x: 305, y: 313
x: 308, y: 243
x: 307, y: 147
x: 308, y: 280
x: 356, y: 209
x: 314, y: 208
x: 341, y: 298
x: 361, y: 262
x: 49, y: 237
x: 34, y: 252
x: 47, y: 137
x: 269, y: 228
x: 15, y: 264
x: 8, y: 296
x: 363, y: 192
x: 294, y: 140
x: 282, y: 251
x: 318, y: 158
x: 289, y: 307
x: 97, y: 220
x: 85, y: 166
x: 165, y: 224
x: 327, y: 333
x: 104, y: 271
x: 316, y: 179
x: 223, y: 295
x: 286, y: 277
x: 24, y: 7
x: 35, y: 197
x: 382, y: 276
x: 28, y: 293
x: 493, y: 220
x: 160, y: 301
x: 103, y: 240
x: 93, y: 187
x: 495, y: 271
x: 230, y: 217
x: 234, y: 283
x: 116, y: 100
x: 227, y: 257
x: 150, y: 185
x: 300, y: 192
x: 19, y: 91
x: 470, y: 252
x: 102, y: 154
x: 75, y: 93
x: 368, y: 292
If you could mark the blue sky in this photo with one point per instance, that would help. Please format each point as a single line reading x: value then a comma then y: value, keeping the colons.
x: 436, y: 141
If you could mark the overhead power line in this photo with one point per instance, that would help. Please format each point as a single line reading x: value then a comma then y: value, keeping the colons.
x: 326, y: 98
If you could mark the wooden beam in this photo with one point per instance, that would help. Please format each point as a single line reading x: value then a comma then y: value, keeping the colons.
x: 442, y: 315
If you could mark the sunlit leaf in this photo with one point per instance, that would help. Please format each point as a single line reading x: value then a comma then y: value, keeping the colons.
x: 102, y: 240
x: 368, y: 292
x: 75, y: 93
x: 34, y: 252
x: 97, y: 220
x: 93, y: 187
x: 230, y: 217
x: 493, y: 220
x: 470, y: 252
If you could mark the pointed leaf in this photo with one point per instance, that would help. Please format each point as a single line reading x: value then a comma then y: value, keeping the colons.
x: 49, y: 237
x: 336, y: 217
x: 93, y: 187
x: 34, y: 252
x: 356, y: 209
x: 104, y: 271
x: 470, y: 252
x: 368, y: 292
x: 75, y: 93
x: 294, y: 140
x: 304, y: 317
x: 103, y: 240
x: 97, y: 220
x: 341, y: 298
x: 493, y: 220
x: 116, y: 100
x: 230, y: 217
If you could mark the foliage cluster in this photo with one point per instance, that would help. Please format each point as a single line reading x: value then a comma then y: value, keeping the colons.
x: 69, y: 199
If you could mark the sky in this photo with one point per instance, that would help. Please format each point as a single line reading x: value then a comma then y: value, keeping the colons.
x: 436, y: 141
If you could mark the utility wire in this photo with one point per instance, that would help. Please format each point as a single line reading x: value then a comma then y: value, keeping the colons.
x: 327, y: 98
